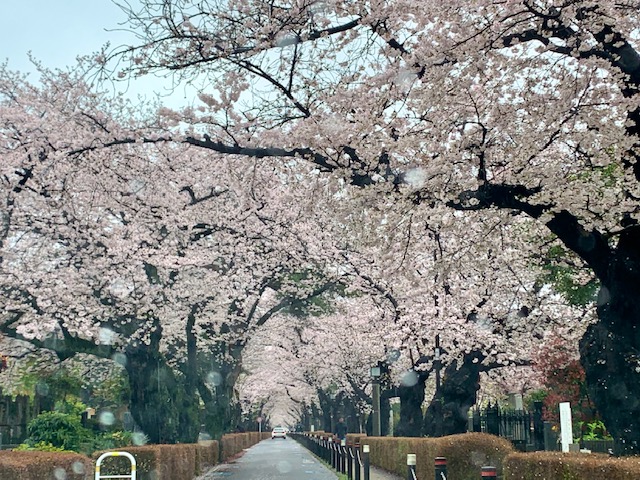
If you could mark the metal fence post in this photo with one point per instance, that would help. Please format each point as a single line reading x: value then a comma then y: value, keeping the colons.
x: 441, y: 468
x: 477, y: 420
x: 493, y: 419
x: 489, y: 473
x: 332, y: 453
x: 358, y: 462
x: 365, y: 455
x: 350, y: 461
x: 326, y: 453
x: 411, y: 466
x: 538, y: 427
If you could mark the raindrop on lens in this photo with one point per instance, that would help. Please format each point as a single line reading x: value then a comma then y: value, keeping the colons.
x: 120, y: 359
x: 106, y: 336
x: 59, y: 474
x: 409, y: 378
x: 77, y: 467
x: 42, y: 389
x: 604, y: 297
x: 214, y: 378
x: 138, y: 438
x: 284, y: 467
x: 107, y: 418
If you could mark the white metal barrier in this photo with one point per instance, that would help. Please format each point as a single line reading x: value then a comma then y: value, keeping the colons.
x: 131, y: 475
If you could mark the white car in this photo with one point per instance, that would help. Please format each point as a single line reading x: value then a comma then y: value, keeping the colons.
x: 279, y: 432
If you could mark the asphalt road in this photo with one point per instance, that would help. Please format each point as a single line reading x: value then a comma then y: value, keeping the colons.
x: 272, y: 460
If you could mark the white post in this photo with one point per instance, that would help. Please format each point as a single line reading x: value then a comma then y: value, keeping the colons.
x: 518, y: 401
x: 566, y: 428
x: 515, y: 401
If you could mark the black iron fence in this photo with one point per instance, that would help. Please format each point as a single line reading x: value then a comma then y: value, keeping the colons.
x: 353, y: 460
x: 12, y: 435
x: 525, y: 429
x: 349, y: 459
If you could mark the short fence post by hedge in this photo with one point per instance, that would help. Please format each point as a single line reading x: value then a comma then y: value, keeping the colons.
x: 350, y: 461
x: 489, y: 473
x: 327, y: 450
x: 441, y: 468
x: 365, y: 461
x: 343, y: 456
x: 332, y: 452
x: 411, y: 466
x: 357, y: 453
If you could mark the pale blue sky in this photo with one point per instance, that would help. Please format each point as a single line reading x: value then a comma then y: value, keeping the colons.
x: 57, y: 31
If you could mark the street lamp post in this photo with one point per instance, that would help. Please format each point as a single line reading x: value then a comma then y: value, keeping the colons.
x: 375, y: 397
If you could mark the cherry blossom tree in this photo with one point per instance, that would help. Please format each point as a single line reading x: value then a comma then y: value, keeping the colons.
x: 527, y: 107
x: 322, y: 360
x: 116, y: 252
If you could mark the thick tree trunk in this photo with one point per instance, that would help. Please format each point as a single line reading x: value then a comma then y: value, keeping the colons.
x: 153, y: 396
x: 316, y: 413
x: 161, y: 402
x: 222, y: 413
x: 411, y: 398
x: 447, y: 414
x: 326, y: 408
x: 353, y: 418
x: 610, y: 355
x: 610, y: 349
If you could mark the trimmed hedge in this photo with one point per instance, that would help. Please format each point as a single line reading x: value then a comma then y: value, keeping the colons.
x: 466, y: 453
x: 31, y: 465
x: 207, y: 455
x: 569, y: 466
x: 232, y: 444
x: 153, y: 462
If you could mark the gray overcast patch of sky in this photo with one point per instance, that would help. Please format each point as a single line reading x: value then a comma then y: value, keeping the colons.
x: 58, y: 31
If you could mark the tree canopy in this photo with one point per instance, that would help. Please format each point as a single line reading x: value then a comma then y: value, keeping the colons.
x: 432, y: 156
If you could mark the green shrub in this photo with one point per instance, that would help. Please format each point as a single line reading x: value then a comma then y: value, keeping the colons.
x: 594, y: 430
x: 58, y: 429
x: 40, y: 447
x: 70, y: 407
x: 111, y: 440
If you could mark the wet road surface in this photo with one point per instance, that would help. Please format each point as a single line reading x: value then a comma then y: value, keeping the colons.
x: 272, y: 460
